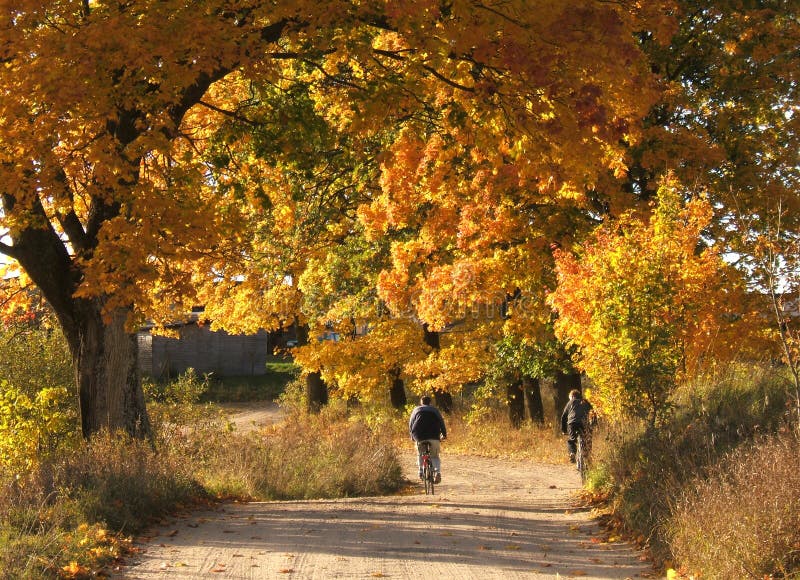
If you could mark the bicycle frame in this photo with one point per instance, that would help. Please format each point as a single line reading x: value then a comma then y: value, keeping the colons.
x: 426, y: 465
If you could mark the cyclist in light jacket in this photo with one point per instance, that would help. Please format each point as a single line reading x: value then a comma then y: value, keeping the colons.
x: 427, y: 425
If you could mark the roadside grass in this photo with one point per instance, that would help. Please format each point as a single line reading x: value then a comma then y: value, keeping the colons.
x: 493, y: 436
x: 742, y: 520
x: 646, y: 475
x: 266, y: 387
x: 191, y: 386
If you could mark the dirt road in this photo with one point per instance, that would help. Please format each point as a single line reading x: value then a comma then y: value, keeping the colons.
x: 488, y: 520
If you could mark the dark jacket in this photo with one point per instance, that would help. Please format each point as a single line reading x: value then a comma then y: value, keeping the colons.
x: 575, y: 413
x: 426, y: 422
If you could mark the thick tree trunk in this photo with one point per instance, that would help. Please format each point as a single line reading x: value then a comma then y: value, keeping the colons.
x: 443, y: 400
x: 564, y: 383
x: 516, y: 403
x: 106, y: 373
x: 533, y: 399
x: 397, y: 392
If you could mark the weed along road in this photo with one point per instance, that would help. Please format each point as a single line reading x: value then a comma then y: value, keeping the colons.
x: 488, y: 519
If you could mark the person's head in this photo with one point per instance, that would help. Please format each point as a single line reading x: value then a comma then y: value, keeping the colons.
x: 426, y: 400
x: 575, y: 394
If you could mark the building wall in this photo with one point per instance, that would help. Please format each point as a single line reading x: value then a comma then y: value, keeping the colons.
x: 203, y: 350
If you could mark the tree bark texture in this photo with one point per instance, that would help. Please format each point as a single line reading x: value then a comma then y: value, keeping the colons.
x: 106, y: 372
x: 516, y: 403
x: 533, y: 399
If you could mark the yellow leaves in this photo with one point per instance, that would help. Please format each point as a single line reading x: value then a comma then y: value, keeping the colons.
x: 90, y: 547
x: 33, y: 427
x: 641, y: 301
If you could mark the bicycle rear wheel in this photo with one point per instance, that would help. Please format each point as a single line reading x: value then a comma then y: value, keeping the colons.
x: 429, y: 475
x: 580, y: 458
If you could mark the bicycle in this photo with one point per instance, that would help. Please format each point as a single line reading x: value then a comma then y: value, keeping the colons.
x: 426, y: 464
x: 583, y: 452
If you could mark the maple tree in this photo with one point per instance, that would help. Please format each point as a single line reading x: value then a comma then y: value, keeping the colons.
x: 646, y: 308
x: 118, y: 205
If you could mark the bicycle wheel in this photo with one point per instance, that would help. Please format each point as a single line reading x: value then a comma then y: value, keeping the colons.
x: 580, y: 459
x: 429, y: 477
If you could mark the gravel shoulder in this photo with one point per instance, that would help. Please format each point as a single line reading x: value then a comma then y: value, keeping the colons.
x: 488, y: 519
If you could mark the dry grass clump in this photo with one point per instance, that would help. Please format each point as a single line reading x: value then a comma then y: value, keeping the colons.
x: 744, y: 520
x: 65, y: 517
x: 492, y: 435
x: 643, y: 471
x: 306, y: 456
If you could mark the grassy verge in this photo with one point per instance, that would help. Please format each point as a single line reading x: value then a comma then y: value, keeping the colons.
x: 72, y: 515
x: 266, y: 387
x: 651, y: 478
x: 493, y: 436
x: 742, y: 520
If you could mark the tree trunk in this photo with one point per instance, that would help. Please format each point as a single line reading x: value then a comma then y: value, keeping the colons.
x: 316, y: 389
x: 533, y: 399
x: 106, y: 373
x: 397, y: 392
x: 443, y: 400
x: 516, y: 403
x: 564, y: 383
x: 316, y: 392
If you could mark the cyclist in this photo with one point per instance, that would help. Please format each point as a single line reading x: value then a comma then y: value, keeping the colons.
x: 575, y: 420
x: 427, y: 425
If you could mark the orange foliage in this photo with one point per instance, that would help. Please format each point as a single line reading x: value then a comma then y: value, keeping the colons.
x: 647, y: 308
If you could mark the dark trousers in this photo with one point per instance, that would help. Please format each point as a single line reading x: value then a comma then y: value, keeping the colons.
x: 573, y: 430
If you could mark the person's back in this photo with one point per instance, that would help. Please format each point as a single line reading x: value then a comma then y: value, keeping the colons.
x: 426, y: 425
x: 575, y: 420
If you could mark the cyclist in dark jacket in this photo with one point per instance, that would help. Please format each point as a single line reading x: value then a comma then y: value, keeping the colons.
x: 575, y: 420
x: 427, y: 425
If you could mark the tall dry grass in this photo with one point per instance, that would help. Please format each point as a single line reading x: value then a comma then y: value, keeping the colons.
x: 492, y: 435
x: 642, y: 472
x: 306, y: 456
x: 743, y: 520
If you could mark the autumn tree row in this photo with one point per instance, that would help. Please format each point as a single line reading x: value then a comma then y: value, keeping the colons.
x: 410, y: 168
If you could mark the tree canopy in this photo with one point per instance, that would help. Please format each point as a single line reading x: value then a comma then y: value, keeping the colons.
x: 381, y: 164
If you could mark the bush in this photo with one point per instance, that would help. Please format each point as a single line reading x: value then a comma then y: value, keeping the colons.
x: 744, y: 520
x: 643, y: 471
x: 188, y: 388
x: 307, y: 456
x: 34, y: 427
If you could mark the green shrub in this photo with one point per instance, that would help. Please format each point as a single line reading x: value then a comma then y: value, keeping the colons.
x: 188, y: 388
x: 744, y: 520
x: 34, y: 427
x: 34, y: 357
